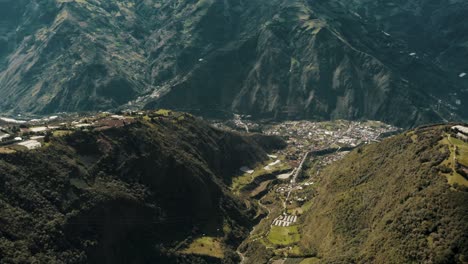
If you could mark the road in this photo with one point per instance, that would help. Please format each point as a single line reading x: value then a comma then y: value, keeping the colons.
x: 299, y: 168
x: 294, y: 178
x: 243, y: 258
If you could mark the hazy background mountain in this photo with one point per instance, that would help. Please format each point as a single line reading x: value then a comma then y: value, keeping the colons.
x: 276, y: 58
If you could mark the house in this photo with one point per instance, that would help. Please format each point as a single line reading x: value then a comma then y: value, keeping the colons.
x: 461, y: 129
x: 462, y: 132
x: 4, y: 136
x: 30, y: 144
x: 38, y: 129
x: 462, y: 136
x: 246, y: 170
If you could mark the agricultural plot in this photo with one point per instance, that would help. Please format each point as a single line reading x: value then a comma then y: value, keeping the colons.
x: 284, y: 235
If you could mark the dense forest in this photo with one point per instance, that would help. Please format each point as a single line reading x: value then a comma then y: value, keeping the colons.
x: 134, y: 194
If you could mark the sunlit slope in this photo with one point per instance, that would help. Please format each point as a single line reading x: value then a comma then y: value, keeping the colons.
x: 399, y: 201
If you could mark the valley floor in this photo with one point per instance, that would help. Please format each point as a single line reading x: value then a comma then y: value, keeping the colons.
x: 294, y: 173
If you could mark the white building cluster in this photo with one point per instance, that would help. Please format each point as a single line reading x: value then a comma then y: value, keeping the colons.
x: 285, y: 220
x: 462, y: 132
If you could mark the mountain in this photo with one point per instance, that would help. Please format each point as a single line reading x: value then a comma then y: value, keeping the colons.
x: 399, y: 201
x: 140, y: 193
x: 435, y: 29
x: 270, y: 59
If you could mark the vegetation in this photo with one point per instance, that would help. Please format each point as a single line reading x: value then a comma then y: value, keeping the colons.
x: 154, y: 191
x: 240, y: 182
x: 310, y: 261
x: 208, y: 246
x: 390, y: 203
x: 458, y: 155
x: 109, y: 54
x: 284, y: 235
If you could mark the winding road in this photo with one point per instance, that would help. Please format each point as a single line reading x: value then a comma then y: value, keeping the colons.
x: 241, y: 255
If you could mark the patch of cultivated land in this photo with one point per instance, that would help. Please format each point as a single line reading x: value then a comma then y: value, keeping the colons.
x: 461, y: 150
x: 238, y: 183
x: 310, y: 261
x: 207, y: 246
x: 458, y: 154
x: 284, y: 235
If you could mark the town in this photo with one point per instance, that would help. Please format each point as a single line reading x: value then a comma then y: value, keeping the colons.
x: 293, y: 172
x: 283, y: 186
x: 314, y: 145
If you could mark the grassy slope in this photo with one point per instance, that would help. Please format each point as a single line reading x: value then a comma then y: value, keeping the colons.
x: 206, y: 246
x: 283, y: 235
x: 389, y: 203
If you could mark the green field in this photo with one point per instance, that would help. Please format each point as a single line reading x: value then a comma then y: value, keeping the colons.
x: 462, y: 150
x: 164, y: 112
x: 61, y: 133
x: 207, y: 246
x: 458, y: 151
x: 284, y: 235
x: 310, y: 261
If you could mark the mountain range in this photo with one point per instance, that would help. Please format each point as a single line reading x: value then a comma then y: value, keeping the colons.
x: 401, y: 62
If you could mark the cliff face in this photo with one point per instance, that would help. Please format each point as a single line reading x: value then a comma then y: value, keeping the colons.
x: 280, y: 59
x: 125, y: 195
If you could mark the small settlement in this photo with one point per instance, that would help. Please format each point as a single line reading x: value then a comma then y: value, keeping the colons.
x: 35, y: 133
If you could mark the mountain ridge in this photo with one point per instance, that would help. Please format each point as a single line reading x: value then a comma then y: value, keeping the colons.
x: 270, y: 59
x: 137, y: 193
x: 402, y: 206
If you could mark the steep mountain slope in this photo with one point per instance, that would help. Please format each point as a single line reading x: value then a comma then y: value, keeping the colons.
x: 280, y: 59
x: 70, y: 56
x: 436, y: 28
x: 313, y: 59
x: 399, y: 201
x: 134, y: 194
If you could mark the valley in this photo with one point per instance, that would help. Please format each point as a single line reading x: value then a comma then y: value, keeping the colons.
x: 284, y: 235
x: 126, y: 186
x: 233, y: 131
x: 280, y: 189
x: 294, y: 171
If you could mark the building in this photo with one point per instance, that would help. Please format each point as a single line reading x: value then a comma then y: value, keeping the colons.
x: 462, y: 132
x: 4, y: 136
x: 30, y: 144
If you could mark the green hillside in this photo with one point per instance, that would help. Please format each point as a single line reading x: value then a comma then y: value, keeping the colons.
x: 392, y: 202
x: 152, y: 191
